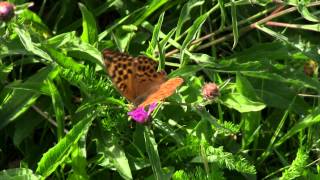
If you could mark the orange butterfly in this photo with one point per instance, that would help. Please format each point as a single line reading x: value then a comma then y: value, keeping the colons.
x: 137, y: 78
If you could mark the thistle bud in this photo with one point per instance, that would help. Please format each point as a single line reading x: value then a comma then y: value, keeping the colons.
x: 6, y: 11
x: 210, y: 91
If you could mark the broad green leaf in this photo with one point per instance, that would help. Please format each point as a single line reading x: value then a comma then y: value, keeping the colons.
x: 89, y: 27
x: 85, y: 51
x: 63, y: 60
x: 26, y: 40
x: 25, y: 126
x: 12, y: 47
x: 245, y: 88
x: 18, y: 174
x: 62, y: 39
x: 57, y: 154
x: 113, y: 152
x: 16, y: 101
x: 28, y: 16
x: 241, y: 103
x: 79, y: 162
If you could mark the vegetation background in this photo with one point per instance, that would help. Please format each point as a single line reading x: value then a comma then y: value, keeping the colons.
x: 61, y: 117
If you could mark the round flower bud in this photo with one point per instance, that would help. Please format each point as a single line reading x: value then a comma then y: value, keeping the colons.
x: 210, y: 91
x: 6, y: 11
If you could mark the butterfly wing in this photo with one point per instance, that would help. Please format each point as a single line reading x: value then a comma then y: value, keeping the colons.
x: 121, y: 70
x: 146, y: 80
x: 165, y: 90
x: 134, y: 77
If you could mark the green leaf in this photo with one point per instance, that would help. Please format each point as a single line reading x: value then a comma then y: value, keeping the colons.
x: 85, y: 51
x: 227, y: 160
x: 185, y: 14
x: 302, y: 8
x: 18, y: 174
x: 114, y: 152
x: 234, y: 24
x: 57, y: 154
x: 79, y: 162
x: 298, y: 166
x: 241, y: 103
x: 63, y: 60
x: 152, y: 150
x: 155, y: 36
x: 162, y: 49
x: 89, y: 27
x: 26, y: 40
x: 192, y: 31
x: 222, y: 13
x: 119, y: 23
x: 58, y: 108
x: 311, y: 119
x: 151, y: 7
x: 245, y: 88
x: 16, y: 101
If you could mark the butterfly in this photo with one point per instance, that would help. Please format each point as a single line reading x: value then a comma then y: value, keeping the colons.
x: 137, y: 79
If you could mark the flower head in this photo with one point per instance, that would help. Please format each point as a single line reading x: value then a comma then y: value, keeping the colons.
x: 140, y: 115
x: 6, y: 11
x: 210, y: 91
x: 310, y: 68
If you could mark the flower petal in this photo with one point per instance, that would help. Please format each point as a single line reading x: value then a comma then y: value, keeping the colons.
x: 152, y: 107
x: 139, y: 115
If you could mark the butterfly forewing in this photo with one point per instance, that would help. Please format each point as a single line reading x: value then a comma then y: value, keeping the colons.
x: 121, y: 70
x: 165, y: 90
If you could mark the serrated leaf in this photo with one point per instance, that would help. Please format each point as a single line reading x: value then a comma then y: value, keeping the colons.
x: 57, y: 154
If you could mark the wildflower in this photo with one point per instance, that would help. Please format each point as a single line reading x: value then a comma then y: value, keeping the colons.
x: 6, y: 11
x: 140, y: 115
x: 210, y: 91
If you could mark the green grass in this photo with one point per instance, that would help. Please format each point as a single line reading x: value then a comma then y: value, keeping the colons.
x: 61, y: 117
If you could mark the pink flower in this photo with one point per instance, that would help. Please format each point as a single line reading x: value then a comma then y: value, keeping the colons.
x: 140, y: 115
x: 6, y: 11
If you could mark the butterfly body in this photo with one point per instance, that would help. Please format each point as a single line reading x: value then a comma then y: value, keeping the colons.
x: 137, y: 78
